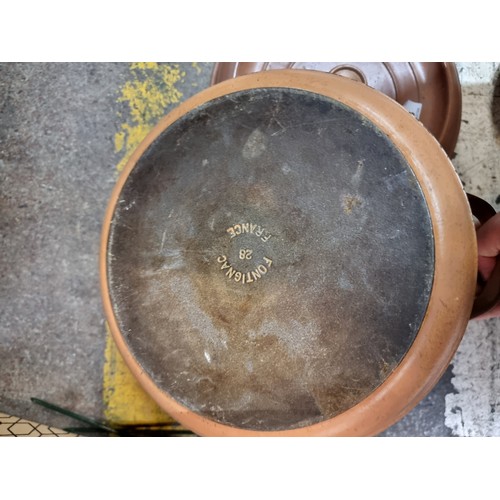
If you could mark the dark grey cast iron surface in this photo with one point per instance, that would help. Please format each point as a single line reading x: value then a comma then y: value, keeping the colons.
x: 270, y: 259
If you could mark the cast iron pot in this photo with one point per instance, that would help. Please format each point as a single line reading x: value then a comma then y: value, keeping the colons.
x: 289, y: 253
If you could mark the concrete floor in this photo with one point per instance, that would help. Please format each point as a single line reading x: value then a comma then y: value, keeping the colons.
x: 64, y: 130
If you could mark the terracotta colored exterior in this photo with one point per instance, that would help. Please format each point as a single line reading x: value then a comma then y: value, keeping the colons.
x: 455, y: 259
x: 435, y: 85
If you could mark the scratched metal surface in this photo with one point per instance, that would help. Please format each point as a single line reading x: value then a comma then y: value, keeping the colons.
x: 57, y: 167
x: 270, y: 259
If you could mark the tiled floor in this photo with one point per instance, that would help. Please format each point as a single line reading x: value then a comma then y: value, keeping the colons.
x: 64, y: 130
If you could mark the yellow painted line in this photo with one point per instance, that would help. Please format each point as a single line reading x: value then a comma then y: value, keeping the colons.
x: 124, y: 400
x: 149, y: 94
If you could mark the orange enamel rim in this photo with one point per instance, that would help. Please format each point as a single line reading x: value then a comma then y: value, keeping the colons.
x: 455, y: 250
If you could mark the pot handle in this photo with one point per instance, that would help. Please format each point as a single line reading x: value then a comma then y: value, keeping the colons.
x: 489, y: 296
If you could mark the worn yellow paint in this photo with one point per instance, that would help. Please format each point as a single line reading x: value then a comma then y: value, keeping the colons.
x: 196, y: 66
x: 125, y: 401
x: 148, y: 95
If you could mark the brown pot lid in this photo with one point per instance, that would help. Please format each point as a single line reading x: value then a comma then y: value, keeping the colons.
x: 431, y: 91
x: 275, y: 259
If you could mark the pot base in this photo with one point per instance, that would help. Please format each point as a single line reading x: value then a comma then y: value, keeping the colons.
x: 430, y: 91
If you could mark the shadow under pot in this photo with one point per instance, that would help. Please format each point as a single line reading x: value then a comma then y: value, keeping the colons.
x: 288, y: 253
